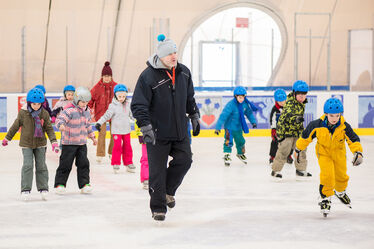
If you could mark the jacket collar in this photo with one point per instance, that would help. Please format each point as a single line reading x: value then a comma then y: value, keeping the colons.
x: 340, y: 125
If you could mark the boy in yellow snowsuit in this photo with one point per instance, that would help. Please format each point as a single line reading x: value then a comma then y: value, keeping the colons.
x: 331, y: 132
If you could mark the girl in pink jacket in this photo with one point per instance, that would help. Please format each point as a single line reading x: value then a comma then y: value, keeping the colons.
x: 74, y: 124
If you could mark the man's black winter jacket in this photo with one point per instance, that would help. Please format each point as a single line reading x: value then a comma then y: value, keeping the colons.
x: 156, y: 101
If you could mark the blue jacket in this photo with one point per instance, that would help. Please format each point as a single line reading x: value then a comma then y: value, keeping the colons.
x: 230, y: 116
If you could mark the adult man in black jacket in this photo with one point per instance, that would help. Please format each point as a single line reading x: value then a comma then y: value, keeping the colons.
x: 163, y: 95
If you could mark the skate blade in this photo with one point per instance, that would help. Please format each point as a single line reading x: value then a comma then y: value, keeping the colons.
x: 130, y: 170
x: 227, y: 164
x: 303, y: 178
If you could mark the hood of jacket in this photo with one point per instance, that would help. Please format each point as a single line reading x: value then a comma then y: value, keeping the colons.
x: 155, y: 62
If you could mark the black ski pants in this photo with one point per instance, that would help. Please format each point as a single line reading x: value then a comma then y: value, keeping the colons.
x: 163, y: 179
x: 68, y: 154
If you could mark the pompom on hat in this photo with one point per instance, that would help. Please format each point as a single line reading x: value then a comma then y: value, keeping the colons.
x: 165, y: 46
x: 106, y: 69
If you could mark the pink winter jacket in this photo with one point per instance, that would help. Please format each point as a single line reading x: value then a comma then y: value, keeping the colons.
x: 77, y: 125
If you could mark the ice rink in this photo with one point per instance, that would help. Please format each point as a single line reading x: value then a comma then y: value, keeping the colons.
x: 216, y: 206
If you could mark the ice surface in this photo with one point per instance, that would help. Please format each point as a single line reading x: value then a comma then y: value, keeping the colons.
x: 216, y: 206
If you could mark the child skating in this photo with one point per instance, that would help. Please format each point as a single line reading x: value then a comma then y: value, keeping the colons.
x: 34, y: 121
x: 289, y: 128
x: 119, y: 112
x: 233, y: 120
x: 74, y: 124
x: 63, y: 101
x: 45, y: 104
x: 280, y: 97
x: 331, y: 131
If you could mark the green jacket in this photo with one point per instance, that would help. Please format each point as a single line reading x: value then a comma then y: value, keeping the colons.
x: 287, y: 126
x: 25, y: 120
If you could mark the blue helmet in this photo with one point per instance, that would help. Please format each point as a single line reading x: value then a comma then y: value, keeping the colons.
x: 120, y: 88
x: 35, y: 95
x: 41, y: 87
x: 69, y: 88
x: 300, y: 86
x: 280, y: 95
x: 239, y: 90
x: 333, y: 106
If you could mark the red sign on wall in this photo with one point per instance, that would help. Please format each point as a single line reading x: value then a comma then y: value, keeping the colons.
x: 242, y: 22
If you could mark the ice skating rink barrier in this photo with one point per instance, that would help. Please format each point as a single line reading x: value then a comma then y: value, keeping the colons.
x: 358, y: 109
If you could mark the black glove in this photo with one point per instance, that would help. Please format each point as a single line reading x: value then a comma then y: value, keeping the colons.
x: 148, y: 134
x: 357, y: 158
x: 254, y: 126
x: 195, y: 124
x: 299, y: 119
x: 98, y: 127
x: 217, y: 132
x: 297, y: 151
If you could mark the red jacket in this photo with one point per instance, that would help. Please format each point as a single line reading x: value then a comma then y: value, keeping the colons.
x: 102, y: 95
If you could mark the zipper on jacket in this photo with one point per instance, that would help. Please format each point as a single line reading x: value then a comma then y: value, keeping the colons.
x: 175, y: 111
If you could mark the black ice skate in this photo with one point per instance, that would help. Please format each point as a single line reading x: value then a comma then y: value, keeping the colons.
x: 325, y: 205
x: 227, y: 159
x: 158, y: 216
x: 343, y: 197
x: 289, y: 160
x: 302, y: 175
x: 276, y: 175
x: 170, y: 201
x: 242, y: 158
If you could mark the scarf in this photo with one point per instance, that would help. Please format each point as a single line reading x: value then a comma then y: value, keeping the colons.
x: 38, y: 124
x: 329, y: 126
x: 241, y: 112
x: 241, y: 116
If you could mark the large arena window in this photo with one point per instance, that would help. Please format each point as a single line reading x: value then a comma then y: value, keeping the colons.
x: 234, y: 46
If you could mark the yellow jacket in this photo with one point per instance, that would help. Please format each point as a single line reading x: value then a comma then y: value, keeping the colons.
x: 330, y: 142
x: 137, y: 130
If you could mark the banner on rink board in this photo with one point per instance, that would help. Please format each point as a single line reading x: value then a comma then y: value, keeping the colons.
x: 366, y: 111
x: 211, y: 107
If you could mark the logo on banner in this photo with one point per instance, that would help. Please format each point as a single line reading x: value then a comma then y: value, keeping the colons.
x: 209, y: 110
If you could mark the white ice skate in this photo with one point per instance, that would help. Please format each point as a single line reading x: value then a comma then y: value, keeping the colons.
x: 325, y: 205
x: 227, y: 159
x: 116, y: 169
x: 343, y: 197
x: 25, y: 195
x: 87, y: 189
x: 130, y: 168
x: 145, y: 184
x: 60, y: 189
x: 242, y: 158
x: 44, y: 194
